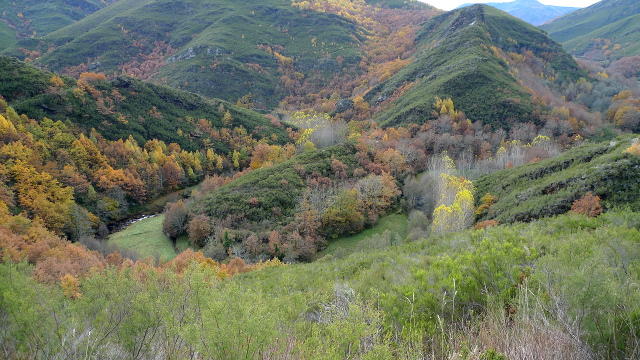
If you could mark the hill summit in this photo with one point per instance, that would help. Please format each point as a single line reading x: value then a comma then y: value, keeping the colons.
x: 462, y: 54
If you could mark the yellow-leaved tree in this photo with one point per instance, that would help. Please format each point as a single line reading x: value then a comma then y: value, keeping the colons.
x: 456, y: 206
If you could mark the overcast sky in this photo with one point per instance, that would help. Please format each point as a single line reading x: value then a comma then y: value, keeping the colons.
x: 452, y: 4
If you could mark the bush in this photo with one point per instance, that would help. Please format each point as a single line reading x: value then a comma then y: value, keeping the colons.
x: 634, y: 149
x: 588, y: 205
x: 486, y: 224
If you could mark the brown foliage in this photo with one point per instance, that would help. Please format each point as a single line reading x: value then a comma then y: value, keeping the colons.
x: 67, y: 259
x: 633, y: 149
x: 486, y: 224
x: 588, y: 205
x: 90, y: 76
x: 199, y: 229
x: 175, y: 219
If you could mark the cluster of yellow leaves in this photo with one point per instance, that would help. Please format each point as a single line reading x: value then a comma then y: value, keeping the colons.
x: 265, y: 155
x: 456, y: 215
x: 485, y: 203
x: 445, y: 107
x: 70, y: 286
x: 6, y: 126
x: 634, y: 149
x: 41, y: 195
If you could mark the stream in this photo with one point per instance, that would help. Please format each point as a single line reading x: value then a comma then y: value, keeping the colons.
x: 121, y: 225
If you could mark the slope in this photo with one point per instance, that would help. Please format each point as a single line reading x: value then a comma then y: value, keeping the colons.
x: 31, y: 18
x: 481, y: 293
x: 458, y: 57
x: 532, y: 11
x: 216, y: 48
x: 551, y: 186
x: 123, y: 106
x: 609, y: 28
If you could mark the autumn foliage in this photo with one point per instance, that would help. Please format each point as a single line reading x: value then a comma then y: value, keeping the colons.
x: 588, y: 205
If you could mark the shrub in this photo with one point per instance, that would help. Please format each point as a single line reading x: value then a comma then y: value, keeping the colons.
x: 588, y: 205
x: 486, y: 224
x: 485, y: 203
x: 634, y: 149
x: 492, y: 355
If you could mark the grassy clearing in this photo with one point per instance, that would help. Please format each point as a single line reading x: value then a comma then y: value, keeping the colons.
x: 146, y: 238
x: 395, y: 224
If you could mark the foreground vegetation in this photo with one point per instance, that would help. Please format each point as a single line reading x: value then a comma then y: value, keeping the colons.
x: 560, y: 288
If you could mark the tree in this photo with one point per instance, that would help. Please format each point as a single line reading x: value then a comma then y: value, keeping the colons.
x: 199, y: 229
x: 172, y: 174
x: 175, y: 219
x: 42, y: 196
x: 339, y: 169
x: 56, y: 81
x: 344, y: 216
x: 227, y: 119
x: 454, y: 215
x: 376, y: 194
x: 275, y: 243
x: 235, y: 158
x: 254, y: 245
x: 6, y: 127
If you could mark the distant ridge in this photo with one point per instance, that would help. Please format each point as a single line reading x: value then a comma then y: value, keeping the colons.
x: 607, y: 29
x: 532, y: 11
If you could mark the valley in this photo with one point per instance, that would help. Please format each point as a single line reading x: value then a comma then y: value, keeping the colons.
x: 319, y: 179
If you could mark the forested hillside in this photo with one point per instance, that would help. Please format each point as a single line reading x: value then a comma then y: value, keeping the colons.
x: 125, y: 106
x: 215, y: 48
x: 27, y: 19
x: 608, y: 170
x: 81, y: 154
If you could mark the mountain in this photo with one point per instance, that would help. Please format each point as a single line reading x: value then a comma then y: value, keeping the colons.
x: 32, y: 18
x: 461, y: 55
x: 609, y: 28
x: 124, y: 106
x: 532, y: 11
x: 216, y: 48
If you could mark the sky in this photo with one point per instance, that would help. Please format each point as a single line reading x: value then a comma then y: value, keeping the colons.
x: 452, y: 4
